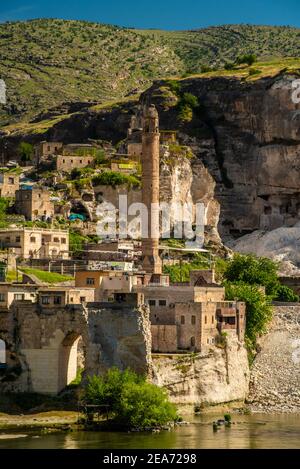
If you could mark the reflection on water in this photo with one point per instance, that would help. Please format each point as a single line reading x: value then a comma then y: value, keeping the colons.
x: 248, y: 431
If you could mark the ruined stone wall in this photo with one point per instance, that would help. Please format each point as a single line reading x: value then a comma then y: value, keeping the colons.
x: 275, y: 375
x: 42, y: 345
x: 164, y: 338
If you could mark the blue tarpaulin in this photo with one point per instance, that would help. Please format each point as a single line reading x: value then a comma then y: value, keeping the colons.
x: 77, y: 216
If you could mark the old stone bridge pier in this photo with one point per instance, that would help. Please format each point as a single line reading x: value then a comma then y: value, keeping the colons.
x: 44, y: 349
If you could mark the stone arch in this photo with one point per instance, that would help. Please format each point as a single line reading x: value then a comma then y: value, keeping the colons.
x: 68, y: 363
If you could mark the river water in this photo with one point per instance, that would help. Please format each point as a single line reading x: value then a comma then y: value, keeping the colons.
x: 255, y: 431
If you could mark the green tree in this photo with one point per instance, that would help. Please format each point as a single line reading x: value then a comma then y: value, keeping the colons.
x: 77, y: 242
x: 132, y: 401
x: 248, y: 59
x: 100, y: 157
x: 286, y: 294
x: 253, y: 270
x: 26, y: 151
x: 258, y: 309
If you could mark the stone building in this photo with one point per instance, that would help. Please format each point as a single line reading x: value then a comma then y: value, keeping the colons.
x: 45, y: 149
x: 195, y: 326
x: 191, y: 316
x: 37, y: 243
x: 66, y: 163
x: 107, y: 283
x: 60, y: 297
x: 11, y: 292
x: 9, y: 184
x: 34, y: 203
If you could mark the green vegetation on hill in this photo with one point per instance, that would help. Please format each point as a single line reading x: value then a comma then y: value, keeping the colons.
x: 48, y: 62
x: 113, y: 179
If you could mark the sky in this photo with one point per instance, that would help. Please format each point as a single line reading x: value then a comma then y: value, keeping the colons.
x: 159, y: 14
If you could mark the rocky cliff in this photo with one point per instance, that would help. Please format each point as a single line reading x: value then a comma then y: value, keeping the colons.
x: 214, y: 377
x: 244, y: 135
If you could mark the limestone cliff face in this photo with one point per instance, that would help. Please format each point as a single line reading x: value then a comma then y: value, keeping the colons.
x: 216, y: 377
x: 275, y: 376
x: 247, y: 136
x: 179, y: 183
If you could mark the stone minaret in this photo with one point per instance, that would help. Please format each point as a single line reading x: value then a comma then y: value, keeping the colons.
x: 150, y: 189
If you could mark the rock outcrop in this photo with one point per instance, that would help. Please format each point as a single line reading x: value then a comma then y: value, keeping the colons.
x: 215, y: 377
x: 281, y: 245
x: 275, y: 375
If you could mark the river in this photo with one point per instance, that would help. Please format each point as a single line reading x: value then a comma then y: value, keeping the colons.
x: 255, y: 431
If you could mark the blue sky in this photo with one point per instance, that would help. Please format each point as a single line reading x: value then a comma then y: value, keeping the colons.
x: 165, y: 14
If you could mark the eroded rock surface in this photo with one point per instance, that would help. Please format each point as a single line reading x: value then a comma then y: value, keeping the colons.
x: 275, y: 375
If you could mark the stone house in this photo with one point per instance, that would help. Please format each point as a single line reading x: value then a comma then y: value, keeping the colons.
x: 9, y: 184
x: 66, y: 163
x: 9, y: 293
x: 37, y: 243
x: 34, y: 203
x: 195, y: 326
x: 106, y: 283
x: 60, y: 297
x: 191, y: 316
x: 45, y: 149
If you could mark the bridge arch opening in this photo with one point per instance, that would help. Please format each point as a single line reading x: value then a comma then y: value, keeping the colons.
x: 71, y: 359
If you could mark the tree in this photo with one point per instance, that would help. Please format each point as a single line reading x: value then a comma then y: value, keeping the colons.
x: 132, y: 401
x: 253, y: 270
x: 261, y: 271
x: 286, y: 294
x: 258, y: 309
x: 26, y: 151
x: 248, y: 59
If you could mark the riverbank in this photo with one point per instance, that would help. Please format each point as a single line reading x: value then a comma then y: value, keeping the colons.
x: 55, y: 420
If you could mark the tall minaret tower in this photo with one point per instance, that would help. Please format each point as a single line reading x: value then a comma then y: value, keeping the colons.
x: 150, y: 189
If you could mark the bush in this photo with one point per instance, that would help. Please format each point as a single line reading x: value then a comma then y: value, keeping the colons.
x: 259, y: 271
x: 112, y: 178
x: 78, y: 173
x: 258, y: 309
x: 100, y: 158
x: 26, y: 151
x: 286, y: 294
x: 186, y: 106
x: 253, y: 271
x: 248, y: 59
x: 185, y: 113
x: 76, y: 242
x: 229, y: 66
x: 190, y: 100
x: 132, y: 401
